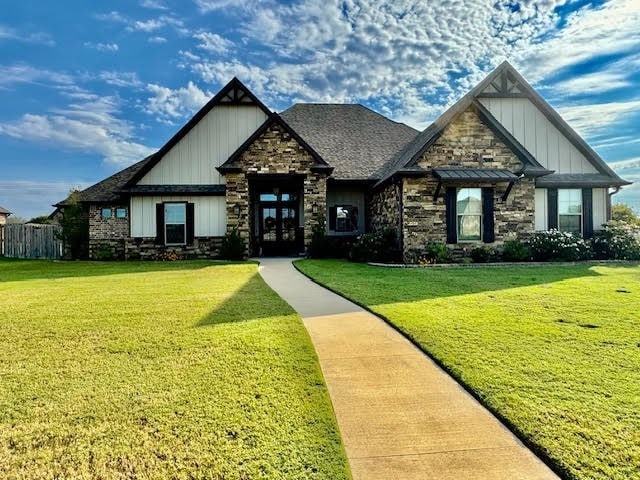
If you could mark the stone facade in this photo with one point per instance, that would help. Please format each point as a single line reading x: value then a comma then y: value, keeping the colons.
x: 109, y: 237
x: 465, y: 143
x: 278, y: 154
x: 384, y: 208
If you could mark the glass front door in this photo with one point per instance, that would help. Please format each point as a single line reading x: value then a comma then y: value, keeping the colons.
x: 278, y: 217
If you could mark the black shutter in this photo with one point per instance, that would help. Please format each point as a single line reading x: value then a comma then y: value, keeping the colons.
x: 450, y: 203
x: 587, y: 213
x: 333, y: 213
x: 190, y: 223
x: 159, y: 224
x: 552, y: 208
x: 488, y: 233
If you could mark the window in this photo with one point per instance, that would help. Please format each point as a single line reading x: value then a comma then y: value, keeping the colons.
x: 175, y: 223
x: 570, y: 210
x: 469, y: 212
x: 121, y: 213
x: 344, y: 218
x: 106, y: 213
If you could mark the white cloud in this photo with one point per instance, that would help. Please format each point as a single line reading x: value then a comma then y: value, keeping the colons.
x: 23, y: 73
x: 206, y: 6
x: 154, y: 4
x: 212, y: 42
x: 157, y: 39
x: 625, y: 164
x: 169, y: 104
x: 120, y: 79
x: 589, y: 120
x: 154, y: 24
x: 40, y: 38
x: 89, y: 125
x: 102, y: 47
x: 113, y: 16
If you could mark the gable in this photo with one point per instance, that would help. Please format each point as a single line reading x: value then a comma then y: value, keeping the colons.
x: 194, y: 158
x: 204, y: 142
x: 468, y: 143
x: 537, y: 134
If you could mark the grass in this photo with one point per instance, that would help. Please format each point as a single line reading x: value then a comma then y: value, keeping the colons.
x: 186, y: 370
x: 553, y: 350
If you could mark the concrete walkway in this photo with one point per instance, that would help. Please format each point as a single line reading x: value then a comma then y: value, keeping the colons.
x: 400, y: 415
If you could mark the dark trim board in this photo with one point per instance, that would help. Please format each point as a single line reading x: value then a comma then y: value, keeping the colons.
x: 196, y: 190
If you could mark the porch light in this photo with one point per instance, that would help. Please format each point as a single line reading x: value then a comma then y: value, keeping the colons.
x: 314, y: 208
x: 236, y: 209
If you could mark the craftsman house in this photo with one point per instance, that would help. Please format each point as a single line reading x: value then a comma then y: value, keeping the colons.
x: 499, y: 164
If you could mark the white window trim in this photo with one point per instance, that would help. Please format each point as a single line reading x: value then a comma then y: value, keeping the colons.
x: 581, y: 214
x: 168, y: 223
x: 458, y: 215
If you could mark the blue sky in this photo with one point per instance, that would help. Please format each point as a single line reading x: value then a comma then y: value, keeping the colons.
x: 88, y: 88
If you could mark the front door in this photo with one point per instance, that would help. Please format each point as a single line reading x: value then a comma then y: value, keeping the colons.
x: 278, y: 217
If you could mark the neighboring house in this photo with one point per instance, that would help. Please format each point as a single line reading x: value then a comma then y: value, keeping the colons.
x: 499, y: 164
x: 4, y: 214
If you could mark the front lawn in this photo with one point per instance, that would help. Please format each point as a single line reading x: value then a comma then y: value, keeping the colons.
x: 554, y: 350
x: 187, y: 370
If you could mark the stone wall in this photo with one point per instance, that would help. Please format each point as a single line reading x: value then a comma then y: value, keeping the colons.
x: 275, y: 152
x: 384, y: 208
x: 107, y: 233
x: 465, y: 143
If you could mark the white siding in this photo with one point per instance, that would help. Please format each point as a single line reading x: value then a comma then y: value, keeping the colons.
x: 541, y: 209
x: 210, y: 215
x: 347, y: 196
x: 538, y: 135
x: 208, y: 145
x: 599, y: 207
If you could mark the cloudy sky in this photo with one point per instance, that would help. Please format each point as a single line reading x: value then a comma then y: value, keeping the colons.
x: 88, y: 88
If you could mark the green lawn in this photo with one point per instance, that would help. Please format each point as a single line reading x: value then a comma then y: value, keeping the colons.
x: 188, y: 370
x: 554, y: 350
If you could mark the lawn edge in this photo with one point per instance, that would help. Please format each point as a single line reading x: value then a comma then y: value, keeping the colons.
x: 555, y: 466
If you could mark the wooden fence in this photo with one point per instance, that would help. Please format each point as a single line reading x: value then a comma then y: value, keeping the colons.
x: 32, y: 241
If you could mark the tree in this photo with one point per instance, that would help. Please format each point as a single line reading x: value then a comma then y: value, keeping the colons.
x: 75, y: 227
x: 624, y: 213
x: 41, y: 219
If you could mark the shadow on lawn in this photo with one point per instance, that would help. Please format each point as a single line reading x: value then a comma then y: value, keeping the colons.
x: 381, y: 285
x: 251, y: 302
x: 15, y: 270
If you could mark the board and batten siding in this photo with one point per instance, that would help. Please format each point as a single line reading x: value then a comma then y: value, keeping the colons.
x: 208, y: 144
x: 599, y: 208
x: 210, y: 215
x: 337, y: 196
x: 538, y: 135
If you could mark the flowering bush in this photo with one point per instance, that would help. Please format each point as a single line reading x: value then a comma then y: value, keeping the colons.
x: 618, y: 241
x: 562, y: 246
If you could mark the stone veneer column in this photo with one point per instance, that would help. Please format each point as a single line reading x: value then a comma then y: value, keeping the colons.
x: 238, y: 194
x: 315, y: 191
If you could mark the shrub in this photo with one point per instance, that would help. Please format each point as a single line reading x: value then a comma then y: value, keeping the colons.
x: 434, y: 253
x: 233, y: 246
x: 319, y: 246
x: 617, y: 241
x: 104, y: 253
x: 376, y: 247
x: 481, y: 254
x: 75, y: 227
x: 516, y: 251
x: 561, y: 246
x: 168, y: 257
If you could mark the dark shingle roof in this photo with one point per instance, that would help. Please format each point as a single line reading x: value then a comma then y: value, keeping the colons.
x: 354, y: 140
x: 107, y: 190
x: 475, y: 174
x: 174, y: 189
x: 569, y: 180
x: 4, y: 211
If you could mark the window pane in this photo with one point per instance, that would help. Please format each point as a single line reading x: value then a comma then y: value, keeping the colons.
x: 175, y: 213
x: 268, y: 197
x: 569, y: 201
x: 469, y: 227
x: 175, y: 233
x: 121, y: 213
x: 106, y: 213
x: 570, y: 223
x: 469, y: 201
x: 346, y: 218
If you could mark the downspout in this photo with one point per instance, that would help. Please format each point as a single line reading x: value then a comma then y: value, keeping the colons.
x: 609, y: 195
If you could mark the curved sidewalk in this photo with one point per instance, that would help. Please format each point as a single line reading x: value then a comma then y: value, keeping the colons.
x: 399, y: 414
